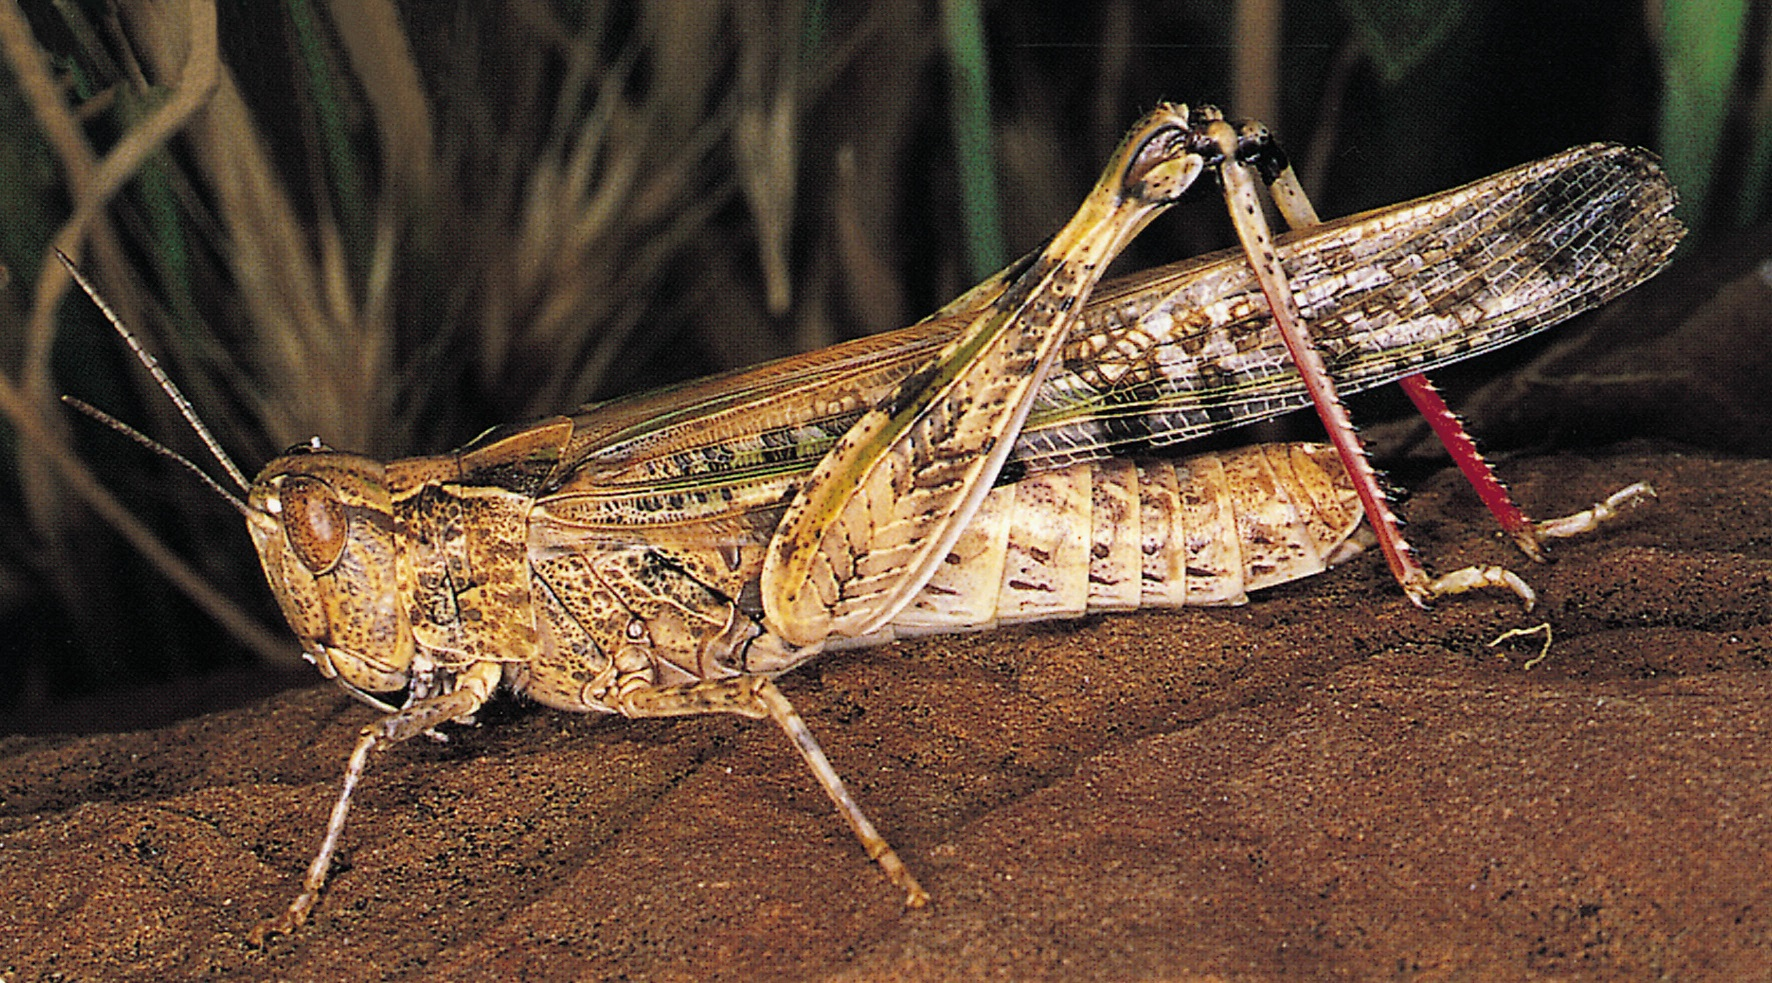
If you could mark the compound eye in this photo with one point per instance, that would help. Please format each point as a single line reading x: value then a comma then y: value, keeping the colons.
x: 314, y: 521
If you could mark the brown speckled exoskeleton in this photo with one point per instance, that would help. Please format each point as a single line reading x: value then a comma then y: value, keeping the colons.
x: 671, y: 553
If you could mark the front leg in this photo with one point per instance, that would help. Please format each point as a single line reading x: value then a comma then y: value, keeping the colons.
x: 470, y: 690
x: 866, y: 530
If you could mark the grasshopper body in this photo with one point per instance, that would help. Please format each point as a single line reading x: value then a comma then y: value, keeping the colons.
x: 671, y: 553
x: 486, y: 555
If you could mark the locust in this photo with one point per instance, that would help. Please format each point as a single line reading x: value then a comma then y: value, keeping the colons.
x: 671, y: 553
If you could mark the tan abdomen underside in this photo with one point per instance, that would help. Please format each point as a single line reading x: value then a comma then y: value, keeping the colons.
x: 1116, y: 535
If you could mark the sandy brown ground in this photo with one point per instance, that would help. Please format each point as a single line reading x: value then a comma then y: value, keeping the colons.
x: 1326, y: 783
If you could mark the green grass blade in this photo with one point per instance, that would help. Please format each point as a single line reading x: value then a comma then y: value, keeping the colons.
x: 969, y: 115
x: 1701, y: 44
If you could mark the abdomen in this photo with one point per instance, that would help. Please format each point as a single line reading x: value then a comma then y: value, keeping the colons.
x: 1119, y: 534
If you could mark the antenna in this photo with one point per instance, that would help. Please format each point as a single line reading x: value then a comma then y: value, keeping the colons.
x: 166, y: 386
x: 158, y: 448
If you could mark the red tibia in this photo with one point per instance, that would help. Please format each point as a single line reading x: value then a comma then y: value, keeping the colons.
x: 1295, y: 205
x: 1251, y: 225
x: 1463, y: 449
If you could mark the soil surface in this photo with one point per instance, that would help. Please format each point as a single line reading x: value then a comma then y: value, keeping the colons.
x: 1325, y: 783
